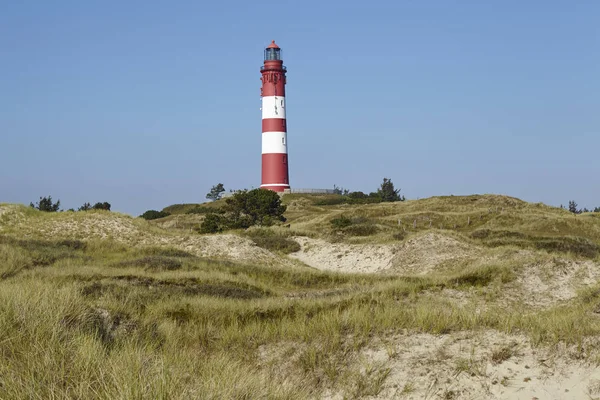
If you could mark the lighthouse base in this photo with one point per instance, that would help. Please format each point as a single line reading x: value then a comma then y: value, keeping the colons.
x: 275, y: 172
x: 275, y: 188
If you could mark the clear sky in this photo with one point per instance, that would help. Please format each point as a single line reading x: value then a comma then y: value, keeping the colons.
x: 148, y: 103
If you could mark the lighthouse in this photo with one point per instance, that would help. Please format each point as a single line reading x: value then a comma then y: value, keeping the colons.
x: 274, y: 129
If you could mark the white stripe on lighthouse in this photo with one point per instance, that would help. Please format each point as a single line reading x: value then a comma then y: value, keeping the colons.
x: 274, y: 184
x: 273, y: 107
x: 274, y: 142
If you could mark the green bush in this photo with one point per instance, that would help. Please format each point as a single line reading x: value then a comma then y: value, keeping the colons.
x: 255, y: 207
x: 245, y: 209
x: 153, y: 214
x: 341, y: 222
x: 212, y: 223
x: 363, y: 198
x: 46, y: 204
x: 102, y: 206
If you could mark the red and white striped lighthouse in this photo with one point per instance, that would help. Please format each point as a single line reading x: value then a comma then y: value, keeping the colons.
x: 274, y: 130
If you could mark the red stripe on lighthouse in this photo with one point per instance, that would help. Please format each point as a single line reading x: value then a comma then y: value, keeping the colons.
x: 274, y: 125
x: 274, y: 89
x: 275, y: 171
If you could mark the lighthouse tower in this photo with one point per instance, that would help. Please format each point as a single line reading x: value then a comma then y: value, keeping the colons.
x: 274, y: 130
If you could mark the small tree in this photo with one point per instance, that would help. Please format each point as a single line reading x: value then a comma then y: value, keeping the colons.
x: 597, y: 209
x: 216, y: 192
x: 85, y: 207
x: 573, y: 207
x: 387, y: 191
x: 45, y: 204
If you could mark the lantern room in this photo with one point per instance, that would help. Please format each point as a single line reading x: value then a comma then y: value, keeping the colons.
x: 272, y: 52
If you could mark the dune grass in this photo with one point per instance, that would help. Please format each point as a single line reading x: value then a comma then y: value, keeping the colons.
x: 102, y: 320
x: 105, y: 319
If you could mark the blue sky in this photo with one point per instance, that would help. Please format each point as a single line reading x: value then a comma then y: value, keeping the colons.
x: 145, y: 104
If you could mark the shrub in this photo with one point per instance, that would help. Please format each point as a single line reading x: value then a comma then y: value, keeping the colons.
x: 254, y: 207
x: 153, y: 214
x: 102, y: 206
x: 361, y: 230
x: 46, y: 204
x: 212, y: 223
x: 341, y: 222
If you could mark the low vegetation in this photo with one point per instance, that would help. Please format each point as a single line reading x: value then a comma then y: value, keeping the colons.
x: 153, y: 214
x: 98, y: 206
x: 272, y: 240
x: 245, y: 209
x: 85, y: 316
x: 46, y: 204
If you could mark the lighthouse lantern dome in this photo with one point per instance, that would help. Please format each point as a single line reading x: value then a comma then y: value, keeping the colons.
x: 272, y: 52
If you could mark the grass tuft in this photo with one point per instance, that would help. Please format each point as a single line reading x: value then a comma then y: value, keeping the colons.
x: 272, y: 241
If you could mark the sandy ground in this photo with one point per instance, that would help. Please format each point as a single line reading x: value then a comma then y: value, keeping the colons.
x: 553, y: 281
x: 342, y: 257
x: 427, y: 252
x: 487, y: 365
x: 416, y: 256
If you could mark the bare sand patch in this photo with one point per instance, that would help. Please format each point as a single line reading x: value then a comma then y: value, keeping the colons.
x: 342, y: 257
x: 424, y: 253
x: 486, y: 365
x: 418, y: 255
x: 555, y: 280
x: 225, y: 246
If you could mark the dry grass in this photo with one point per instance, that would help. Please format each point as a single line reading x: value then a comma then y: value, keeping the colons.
x: 106, y: 315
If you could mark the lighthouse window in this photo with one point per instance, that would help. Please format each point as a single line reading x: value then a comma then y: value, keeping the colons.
x: 282, y: 140
x: 285, y: 159
x: 272, y: 54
